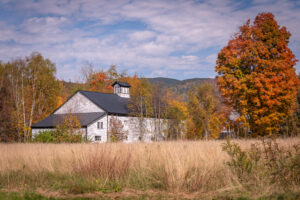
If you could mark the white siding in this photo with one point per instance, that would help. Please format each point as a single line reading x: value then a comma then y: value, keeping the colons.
x: 92, y: 130
x: 131, y: 126
x: 78, y: 104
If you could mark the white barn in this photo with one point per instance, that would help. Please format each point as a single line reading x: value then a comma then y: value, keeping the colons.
x: 94, y: 110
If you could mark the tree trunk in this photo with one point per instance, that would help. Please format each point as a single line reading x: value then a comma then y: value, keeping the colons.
x: 23, y: 108
x: 15, y: 92
x: 32, y: 104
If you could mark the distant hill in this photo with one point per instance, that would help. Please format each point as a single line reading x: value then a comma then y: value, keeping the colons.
x: 179, y: 87
x: 170, y: 82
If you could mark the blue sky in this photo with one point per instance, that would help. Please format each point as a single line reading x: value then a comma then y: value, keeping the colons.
x: 176, y: 39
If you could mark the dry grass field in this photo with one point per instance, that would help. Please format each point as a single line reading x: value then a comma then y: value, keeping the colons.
x: 187, y: 169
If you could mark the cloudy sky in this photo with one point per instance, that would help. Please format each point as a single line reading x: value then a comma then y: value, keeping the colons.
x: 177, y: 38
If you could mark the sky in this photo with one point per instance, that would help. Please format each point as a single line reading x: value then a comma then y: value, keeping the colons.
x: 154, y: 38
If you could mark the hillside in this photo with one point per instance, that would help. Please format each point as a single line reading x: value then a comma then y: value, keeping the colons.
x: 170, y: 82
x: 178, y: 87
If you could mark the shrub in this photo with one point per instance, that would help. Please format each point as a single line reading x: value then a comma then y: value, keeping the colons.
x: 44, y: 137
x: 60, y: 135
x: 265, y: 164
x: 64, y: 133
x: 68, y: 131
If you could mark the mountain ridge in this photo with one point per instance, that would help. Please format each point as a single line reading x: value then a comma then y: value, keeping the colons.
x: 181, y: 87
x: 170, y: 81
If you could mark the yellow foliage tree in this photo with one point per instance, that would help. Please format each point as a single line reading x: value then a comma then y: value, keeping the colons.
x: 204, y: 117
x: 69, y: 130
x: 177, y: 113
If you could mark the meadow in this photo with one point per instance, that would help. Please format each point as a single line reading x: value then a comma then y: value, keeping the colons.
x: 179, y: 169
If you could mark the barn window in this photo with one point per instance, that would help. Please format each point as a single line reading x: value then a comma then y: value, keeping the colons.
x: 100, y: 125
x: 97, y: 138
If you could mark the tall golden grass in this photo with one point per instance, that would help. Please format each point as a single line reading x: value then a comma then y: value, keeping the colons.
x: 177, y: 167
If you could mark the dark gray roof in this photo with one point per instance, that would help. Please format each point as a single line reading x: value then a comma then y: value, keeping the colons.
x: 55, y: 119
x: 111, y: 103
x: 123, y: 84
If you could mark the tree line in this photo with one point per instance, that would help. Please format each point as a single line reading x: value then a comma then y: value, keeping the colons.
x: 30, y: 91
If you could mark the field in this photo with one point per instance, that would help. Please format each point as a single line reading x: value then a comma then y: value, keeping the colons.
x: 181, y: 170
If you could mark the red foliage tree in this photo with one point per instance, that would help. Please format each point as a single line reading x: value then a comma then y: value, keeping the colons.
x: 100, y: 82
x: 257, y: 75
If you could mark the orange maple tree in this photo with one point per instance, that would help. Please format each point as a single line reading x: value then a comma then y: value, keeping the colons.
x: 100, y: 82
x: 256, y: 74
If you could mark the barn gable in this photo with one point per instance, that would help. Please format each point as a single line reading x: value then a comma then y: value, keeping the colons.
x: 111, y: 103
x: 78, y: 103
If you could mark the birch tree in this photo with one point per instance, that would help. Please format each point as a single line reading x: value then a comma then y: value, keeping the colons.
x: 34, y: 91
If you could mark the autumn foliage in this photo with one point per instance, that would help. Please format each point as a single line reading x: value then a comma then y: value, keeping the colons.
x: 204, y: 117
x: 256, y: 74
x: 100, y: 82
x: 29, y: 91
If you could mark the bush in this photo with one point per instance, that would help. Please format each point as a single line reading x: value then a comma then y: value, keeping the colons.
x: 60, y: 135
x: 44, y: 137
x: 265, y: 164
x: 68, y: 131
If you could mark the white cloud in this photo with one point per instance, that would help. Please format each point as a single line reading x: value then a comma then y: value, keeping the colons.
x: 140, y: 36
x: 211, y: 58
x: 7, y: 32
x: 72, y: 33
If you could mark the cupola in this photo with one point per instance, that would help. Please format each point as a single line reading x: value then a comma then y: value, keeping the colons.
x: 121, y: 89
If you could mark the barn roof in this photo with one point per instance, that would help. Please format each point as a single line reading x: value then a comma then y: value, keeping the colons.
x: 123, y: 84
x: 55, y: 119
x: 111, y: 103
